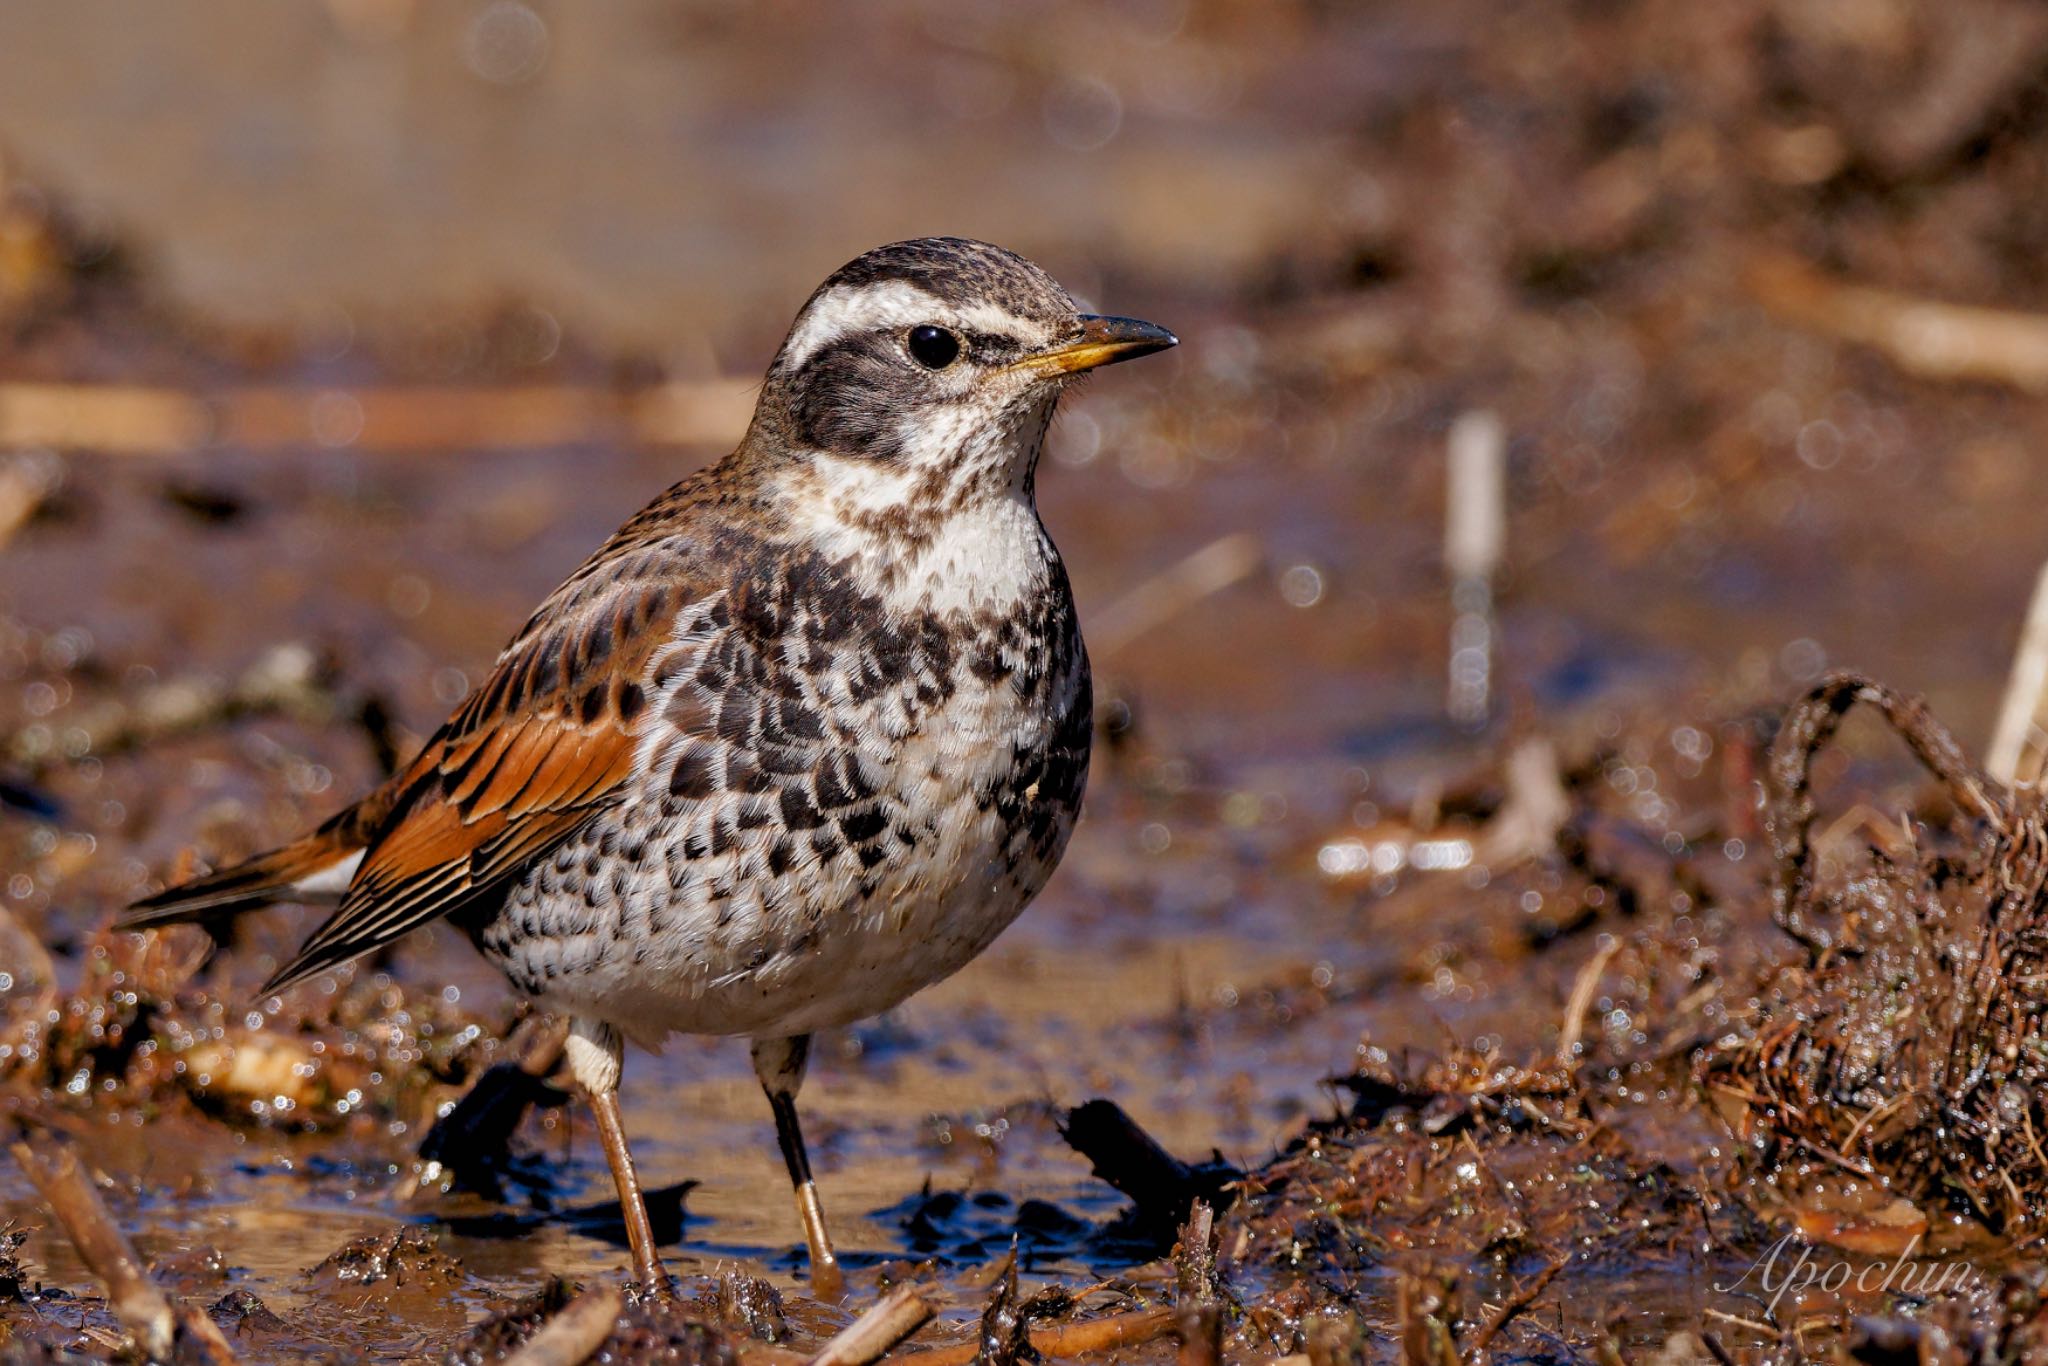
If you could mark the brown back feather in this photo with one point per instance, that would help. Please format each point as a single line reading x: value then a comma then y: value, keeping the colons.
x: 541, y: 746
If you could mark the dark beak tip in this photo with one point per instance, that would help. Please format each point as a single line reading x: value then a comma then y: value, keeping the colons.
x: 1152, y: 346
x: 1132, y: 337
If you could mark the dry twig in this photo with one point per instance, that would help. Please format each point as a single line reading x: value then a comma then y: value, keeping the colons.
x: 1932, y: 340
x: 1524, y: 1296
x: 2020, y: 743
x: 574, y: 1335
x: 876, y: 1333
x: 1109, y: 1334
x: 1582, y: 999
x: 145, y: 1312
x: 141, y: 420
x: 1216, y: 566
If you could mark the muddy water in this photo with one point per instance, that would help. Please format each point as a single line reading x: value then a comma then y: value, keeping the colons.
x: 1176, y: 962
x: 1707, y: 509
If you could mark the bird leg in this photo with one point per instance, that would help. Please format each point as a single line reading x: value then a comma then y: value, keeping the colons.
x: 779, y: 1063
x: 595, y: 1053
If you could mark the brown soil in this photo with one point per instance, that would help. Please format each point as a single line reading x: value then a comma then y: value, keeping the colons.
x: 1590, y: 1076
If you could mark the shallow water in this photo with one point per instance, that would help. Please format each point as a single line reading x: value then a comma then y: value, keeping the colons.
x: 1707, y: 508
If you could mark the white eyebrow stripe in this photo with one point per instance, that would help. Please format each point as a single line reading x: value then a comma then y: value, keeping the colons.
x: 887, y: 305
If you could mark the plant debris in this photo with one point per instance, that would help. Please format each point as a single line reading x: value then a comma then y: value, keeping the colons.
x: 1751, y: 298
x: 1162, y: 1188
x: 1912, y: 1048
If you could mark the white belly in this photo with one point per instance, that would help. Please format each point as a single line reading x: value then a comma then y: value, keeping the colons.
x: 663, y: 918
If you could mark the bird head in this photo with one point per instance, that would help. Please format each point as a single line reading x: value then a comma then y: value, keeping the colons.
x: 922, y: 375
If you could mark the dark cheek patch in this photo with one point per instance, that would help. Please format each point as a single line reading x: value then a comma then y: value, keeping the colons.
x: 850, y: 397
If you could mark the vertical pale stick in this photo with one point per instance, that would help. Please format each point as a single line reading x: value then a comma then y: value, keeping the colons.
x: 2017, y: 745
x: 1475, y: 530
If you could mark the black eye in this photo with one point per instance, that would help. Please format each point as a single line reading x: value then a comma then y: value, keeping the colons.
x: 933, y: 347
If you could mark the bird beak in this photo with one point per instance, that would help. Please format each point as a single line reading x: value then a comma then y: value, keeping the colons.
x: 1104, y: 341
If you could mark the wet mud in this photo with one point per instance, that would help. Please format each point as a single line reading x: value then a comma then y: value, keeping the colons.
x: 1683, y: 1012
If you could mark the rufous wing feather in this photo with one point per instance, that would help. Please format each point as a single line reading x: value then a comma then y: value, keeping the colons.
x: 546, y: 742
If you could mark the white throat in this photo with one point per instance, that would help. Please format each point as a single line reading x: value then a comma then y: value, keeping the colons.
x: 987, y: 555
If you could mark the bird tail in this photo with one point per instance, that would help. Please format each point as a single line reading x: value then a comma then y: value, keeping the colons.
x: 314, y: 869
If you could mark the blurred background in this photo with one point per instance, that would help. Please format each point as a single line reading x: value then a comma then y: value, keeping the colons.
x: 333, y: 335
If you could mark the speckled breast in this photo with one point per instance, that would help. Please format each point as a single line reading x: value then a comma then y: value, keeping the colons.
x: 835, y: 804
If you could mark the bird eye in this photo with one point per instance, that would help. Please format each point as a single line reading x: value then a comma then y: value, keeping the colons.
x: 933, y: 347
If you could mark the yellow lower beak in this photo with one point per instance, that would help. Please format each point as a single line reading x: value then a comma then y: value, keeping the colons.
x: 1104, y: 341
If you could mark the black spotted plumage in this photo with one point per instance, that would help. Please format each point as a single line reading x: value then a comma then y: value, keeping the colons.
x: 802, y: 737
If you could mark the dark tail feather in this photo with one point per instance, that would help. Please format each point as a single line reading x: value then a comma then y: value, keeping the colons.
x: 244, y: 887
x: 261, y: 880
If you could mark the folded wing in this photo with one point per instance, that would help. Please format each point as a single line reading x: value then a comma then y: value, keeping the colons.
x: 545, y: 744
